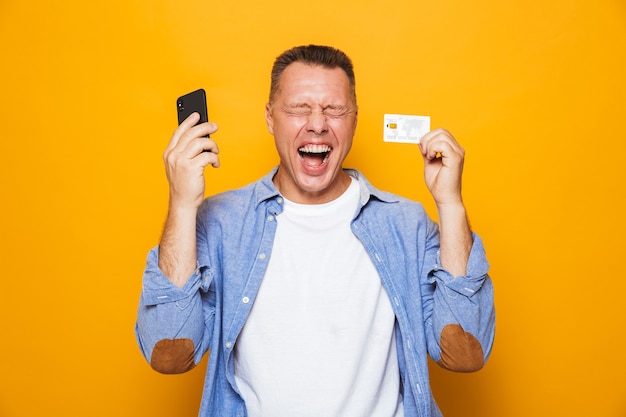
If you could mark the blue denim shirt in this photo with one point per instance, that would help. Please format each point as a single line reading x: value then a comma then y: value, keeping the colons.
x: 235, y: 234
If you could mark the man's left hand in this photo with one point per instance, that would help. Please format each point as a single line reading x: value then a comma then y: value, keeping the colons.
x: 443, y: 166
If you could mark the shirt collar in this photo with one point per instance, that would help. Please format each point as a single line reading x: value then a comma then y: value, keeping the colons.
x: 368, y: 191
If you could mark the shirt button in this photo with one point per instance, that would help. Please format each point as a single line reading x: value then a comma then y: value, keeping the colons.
x: 245, y: 300
x: 262, y: 256
x: 229, y: 345
x: 279, y: 200
x: 270, y: 218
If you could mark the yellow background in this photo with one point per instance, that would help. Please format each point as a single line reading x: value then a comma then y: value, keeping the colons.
x: 534, y: 90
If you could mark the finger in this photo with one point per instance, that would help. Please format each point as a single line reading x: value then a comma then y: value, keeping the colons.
x: 199, y: 145
x: 208, y: 158
x: 188, y: 123
x: 440, y: 143
x: 439, y: 149
x: 202, y: 130
x: 434, y: 136
x: 192, y: 141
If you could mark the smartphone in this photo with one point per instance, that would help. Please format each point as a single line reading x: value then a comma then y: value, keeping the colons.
x: 192, y: 102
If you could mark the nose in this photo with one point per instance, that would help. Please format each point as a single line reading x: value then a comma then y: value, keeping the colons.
x: 316, y: 123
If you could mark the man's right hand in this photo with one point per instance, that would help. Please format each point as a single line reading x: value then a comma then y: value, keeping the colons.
x: 185, y: 161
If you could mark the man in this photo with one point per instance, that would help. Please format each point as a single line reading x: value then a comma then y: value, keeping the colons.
x: 314, y: 293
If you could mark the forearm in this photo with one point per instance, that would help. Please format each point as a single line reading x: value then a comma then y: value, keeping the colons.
x: 177, y: 249
x: 455, y: 238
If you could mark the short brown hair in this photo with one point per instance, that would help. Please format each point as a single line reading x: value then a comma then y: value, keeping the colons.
x: 324, y: 56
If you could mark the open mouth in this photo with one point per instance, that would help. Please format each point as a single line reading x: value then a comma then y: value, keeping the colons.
x: 314, y: 155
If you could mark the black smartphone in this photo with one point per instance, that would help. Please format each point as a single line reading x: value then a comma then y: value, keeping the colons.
x: 192, y: 102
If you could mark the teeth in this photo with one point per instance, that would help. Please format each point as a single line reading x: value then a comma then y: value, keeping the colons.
x: 315, y: 149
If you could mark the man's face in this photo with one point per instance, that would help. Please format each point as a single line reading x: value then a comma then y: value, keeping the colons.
x: 313, y: 119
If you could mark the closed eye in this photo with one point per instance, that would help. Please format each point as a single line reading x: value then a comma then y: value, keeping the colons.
x: 297, y: 110
x: 336, y: 112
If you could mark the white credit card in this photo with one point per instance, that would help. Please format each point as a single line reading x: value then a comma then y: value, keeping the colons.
x: 405, y: 128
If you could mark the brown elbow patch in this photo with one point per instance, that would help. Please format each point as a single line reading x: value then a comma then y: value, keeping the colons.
x: 173, y: 356
x: 460, y: 351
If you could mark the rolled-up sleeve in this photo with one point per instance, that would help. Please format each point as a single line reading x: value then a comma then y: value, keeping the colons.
x: 463, y: 316
x: 169, y: 315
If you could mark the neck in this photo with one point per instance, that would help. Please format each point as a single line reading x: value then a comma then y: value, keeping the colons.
x: 292, y: 191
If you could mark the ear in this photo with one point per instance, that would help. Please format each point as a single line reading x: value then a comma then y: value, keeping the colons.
x: 268, y: 118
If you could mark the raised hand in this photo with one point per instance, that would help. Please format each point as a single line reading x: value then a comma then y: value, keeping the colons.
x: 443, y: 166
x: 185, y: 160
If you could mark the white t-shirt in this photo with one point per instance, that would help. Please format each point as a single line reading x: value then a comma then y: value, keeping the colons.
x: 319, y: 340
